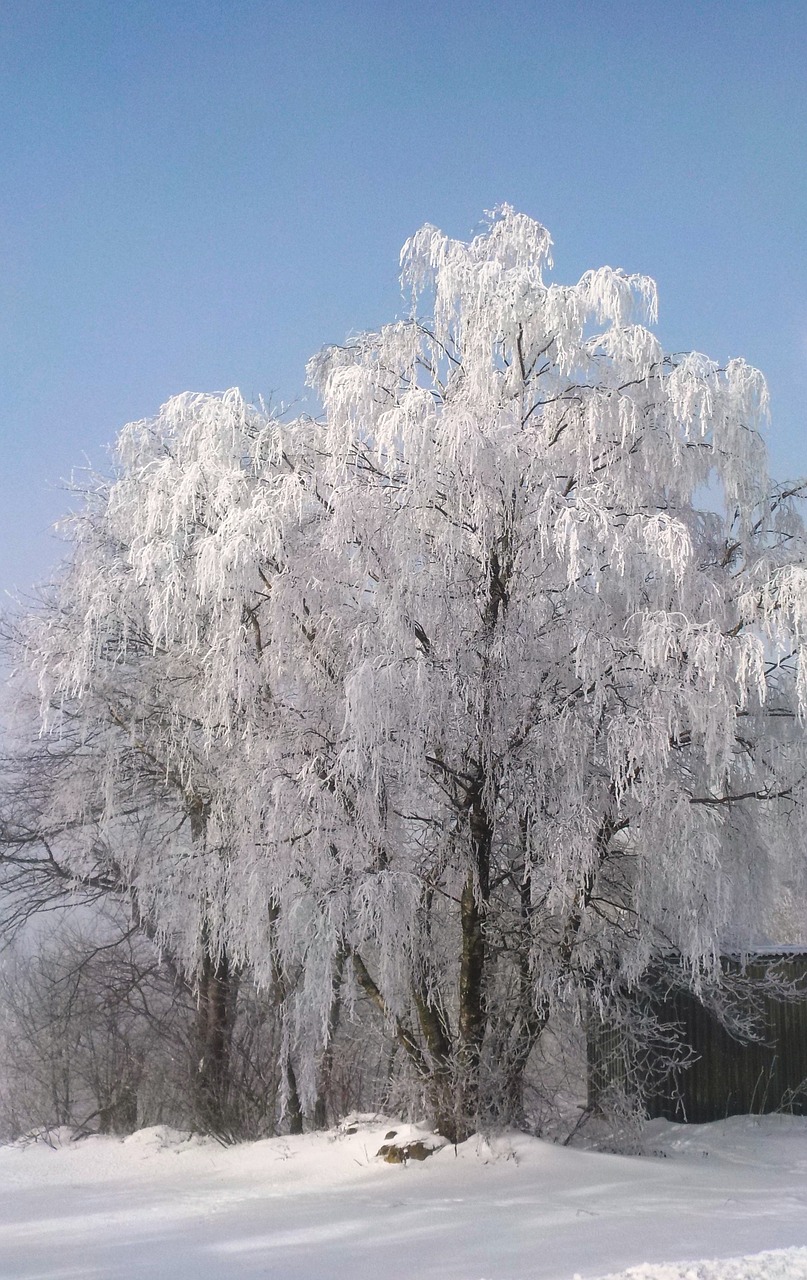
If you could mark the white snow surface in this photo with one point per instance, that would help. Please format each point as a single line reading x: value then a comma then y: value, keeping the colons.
x: 325, y: 1207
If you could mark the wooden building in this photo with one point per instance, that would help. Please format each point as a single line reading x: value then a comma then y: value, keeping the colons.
x: 728, y: 1076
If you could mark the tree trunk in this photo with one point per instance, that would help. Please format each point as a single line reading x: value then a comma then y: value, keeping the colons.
x: 472, y: 1021
x: 215, y: 987
x: 475, y: 897
x: 294, y: 1109
x: 530, y: 1018
x: 326, y: 1061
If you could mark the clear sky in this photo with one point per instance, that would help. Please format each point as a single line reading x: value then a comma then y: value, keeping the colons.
x: 197, y: 195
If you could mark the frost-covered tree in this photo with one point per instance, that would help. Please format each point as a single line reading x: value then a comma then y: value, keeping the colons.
x: 572, y: 604
x: 479, y: 682
x: 125, y: 779
x: 148, y: 653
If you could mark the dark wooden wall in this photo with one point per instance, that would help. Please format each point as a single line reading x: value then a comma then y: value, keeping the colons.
x: 729, y: 1077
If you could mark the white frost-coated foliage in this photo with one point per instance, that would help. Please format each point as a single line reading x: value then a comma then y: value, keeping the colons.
x: 541, y: 610
x: 474, y: 629
x: 154, y: 640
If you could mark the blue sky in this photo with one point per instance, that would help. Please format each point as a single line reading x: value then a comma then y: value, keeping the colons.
x: 199, y: 195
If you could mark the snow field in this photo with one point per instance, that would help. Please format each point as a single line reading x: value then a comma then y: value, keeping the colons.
x: 324, y: 1207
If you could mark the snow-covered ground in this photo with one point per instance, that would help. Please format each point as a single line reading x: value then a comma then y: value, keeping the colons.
x: 324, y: 1207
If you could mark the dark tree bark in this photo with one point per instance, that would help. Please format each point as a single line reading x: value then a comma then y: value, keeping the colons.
x: 212, y: 1085
x: 294, y: 1108
x: 320, y: 1117
x: 473, y: 1013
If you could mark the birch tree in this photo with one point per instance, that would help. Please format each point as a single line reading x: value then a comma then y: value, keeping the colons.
x: 147, y: 653
x: 478, y: 681
x: 575, y: 606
